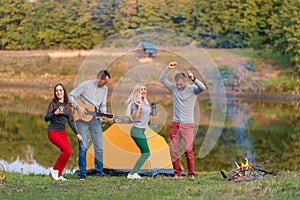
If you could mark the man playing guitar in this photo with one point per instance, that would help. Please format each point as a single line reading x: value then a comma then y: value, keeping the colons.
x: 90, y: 92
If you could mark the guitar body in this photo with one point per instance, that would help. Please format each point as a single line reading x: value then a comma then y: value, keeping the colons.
x: 90, y: 114
x: 88, y: 107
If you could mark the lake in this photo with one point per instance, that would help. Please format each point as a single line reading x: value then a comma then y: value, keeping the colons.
x: 263, y: 131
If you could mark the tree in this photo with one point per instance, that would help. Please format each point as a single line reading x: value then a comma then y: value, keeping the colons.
x: 257, y: 31
x: 284, y: 32
x: 152, y: 14
x: 30, y: 28
x: 103, y: 17
x: 50, y: 22
x: 77, y: 27
x: 218, y: 24
x: 125, y: 12
x: 12, y: 13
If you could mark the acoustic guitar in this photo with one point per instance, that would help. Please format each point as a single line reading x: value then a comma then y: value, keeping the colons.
x: 91, y: 113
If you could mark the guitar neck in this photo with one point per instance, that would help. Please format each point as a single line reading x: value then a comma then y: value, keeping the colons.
x: 106, y: 115
x: 97, y: 114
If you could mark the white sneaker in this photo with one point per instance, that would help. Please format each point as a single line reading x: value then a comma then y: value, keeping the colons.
x: 54, y: 174
x: 191, y: 177
x: 176, y: 176
x: 61, y: 178
x: 134, y: 176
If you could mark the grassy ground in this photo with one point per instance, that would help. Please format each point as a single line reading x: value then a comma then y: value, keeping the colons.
x: 285, y: 185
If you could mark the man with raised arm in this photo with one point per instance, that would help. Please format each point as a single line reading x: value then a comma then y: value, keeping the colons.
x: 184, y: 96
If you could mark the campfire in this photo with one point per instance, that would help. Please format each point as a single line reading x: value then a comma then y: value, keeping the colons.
x: 246, y: 171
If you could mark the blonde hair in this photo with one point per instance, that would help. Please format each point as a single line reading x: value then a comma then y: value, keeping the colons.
x: 134, y: 97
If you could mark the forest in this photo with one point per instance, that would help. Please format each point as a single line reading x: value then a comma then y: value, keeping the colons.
x: 264, y: 25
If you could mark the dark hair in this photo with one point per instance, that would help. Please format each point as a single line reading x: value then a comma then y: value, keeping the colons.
x: 55, y: 99
x: 180, y: 76
x: 54, y: 103
x: 103, y: 74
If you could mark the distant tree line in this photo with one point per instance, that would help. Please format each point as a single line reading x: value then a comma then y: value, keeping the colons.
x: 272, y: 25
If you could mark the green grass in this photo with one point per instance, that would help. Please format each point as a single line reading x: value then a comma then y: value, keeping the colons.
x: 285, y: 185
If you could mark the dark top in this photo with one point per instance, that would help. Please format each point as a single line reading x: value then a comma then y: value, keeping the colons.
x: 58, y: 122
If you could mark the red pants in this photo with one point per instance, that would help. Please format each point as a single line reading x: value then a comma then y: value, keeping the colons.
x: 60, y: 139
x: 180, y: 131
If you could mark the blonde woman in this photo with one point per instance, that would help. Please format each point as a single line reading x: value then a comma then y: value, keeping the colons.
x: 139, y: 110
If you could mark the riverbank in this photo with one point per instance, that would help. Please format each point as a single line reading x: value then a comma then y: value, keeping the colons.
x: 211, y: 185
x: 229, y: 94
x: 44, y: 69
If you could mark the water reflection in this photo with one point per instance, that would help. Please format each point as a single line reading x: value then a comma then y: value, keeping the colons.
x: 27, y: 165
x: 25, y: 168
x: 263, y: 130
x: 258, y: 130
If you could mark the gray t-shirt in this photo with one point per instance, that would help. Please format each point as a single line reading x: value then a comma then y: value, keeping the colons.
x: 89, y: 93
x: 143, y: 119
x: 183, y: 100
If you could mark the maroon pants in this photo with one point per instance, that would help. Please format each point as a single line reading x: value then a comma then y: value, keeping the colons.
x: 60, y: 139
x: 180, y: 131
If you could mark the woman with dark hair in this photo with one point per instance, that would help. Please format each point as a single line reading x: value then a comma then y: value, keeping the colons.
x: 58, y: 113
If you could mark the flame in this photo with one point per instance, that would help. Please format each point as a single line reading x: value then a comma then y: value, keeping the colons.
x: 237, y: 165
x: 242, y: 167
x: 248, y: 164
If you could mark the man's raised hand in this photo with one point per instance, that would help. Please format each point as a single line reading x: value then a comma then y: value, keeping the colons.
x: 190, y: 75
x: 172, y: 64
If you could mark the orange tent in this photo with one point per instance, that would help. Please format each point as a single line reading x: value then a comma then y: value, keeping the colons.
x: 121, y: 153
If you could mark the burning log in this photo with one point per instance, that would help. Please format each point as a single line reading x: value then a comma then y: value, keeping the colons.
x: 246, y: 171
